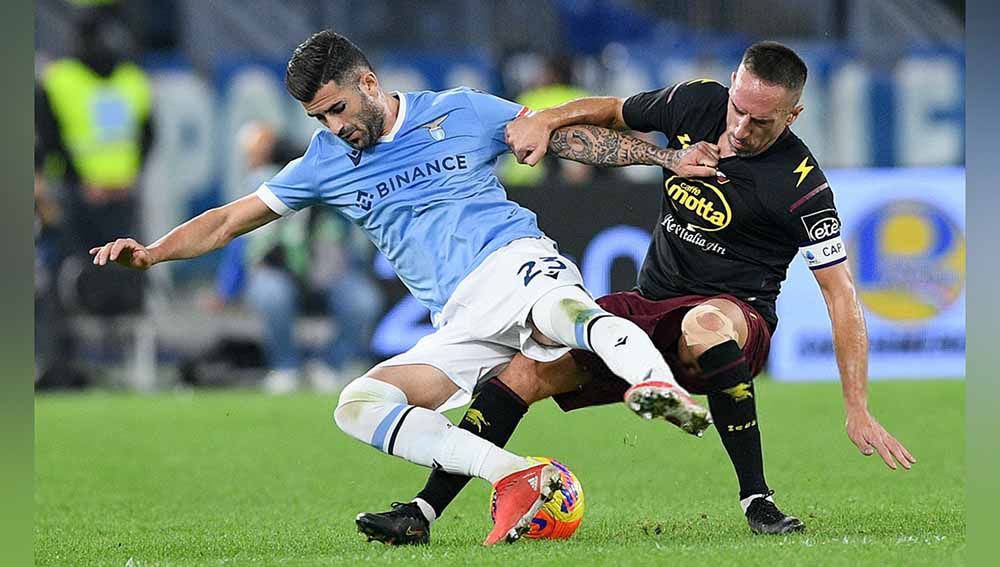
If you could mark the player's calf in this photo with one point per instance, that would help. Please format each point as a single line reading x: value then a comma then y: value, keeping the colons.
x: 378, y: 414
x: 713, y: 332
x: 570, y: 316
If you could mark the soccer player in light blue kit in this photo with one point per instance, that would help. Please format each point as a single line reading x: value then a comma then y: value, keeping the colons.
x: 415, y: 172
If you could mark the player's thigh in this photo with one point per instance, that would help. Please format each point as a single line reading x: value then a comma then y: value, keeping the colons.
x: 424, y: 385
x: 442, y: 370
x: 533, y: 380
x: 689, y: 353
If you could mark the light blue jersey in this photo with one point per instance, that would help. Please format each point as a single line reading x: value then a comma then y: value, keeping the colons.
x: 425, y: 194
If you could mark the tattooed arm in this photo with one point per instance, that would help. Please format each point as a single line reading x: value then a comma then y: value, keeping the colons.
x: 602, y: 147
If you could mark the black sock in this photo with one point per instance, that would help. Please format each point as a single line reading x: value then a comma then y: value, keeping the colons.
x: 734, y: 411
x: 493, y: 415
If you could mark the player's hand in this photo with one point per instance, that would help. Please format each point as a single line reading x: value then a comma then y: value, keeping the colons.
x: 528, y: 138
x: 870, y: 437
x: 696, y: 160
x: 124, y: 251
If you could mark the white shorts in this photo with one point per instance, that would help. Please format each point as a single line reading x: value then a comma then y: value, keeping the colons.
x: 484, y: 323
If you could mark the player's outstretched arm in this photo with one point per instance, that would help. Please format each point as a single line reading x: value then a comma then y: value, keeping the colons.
x: 528, y: 136
x: 209, y: 231
x: 850, y: 339
x: 594, y: 145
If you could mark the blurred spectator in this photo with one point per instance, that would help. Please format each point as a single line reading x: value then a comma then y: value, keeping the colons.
x: 312, y: 259
x: 55, y: 347
x: 92, y: 119
x: 551, y: 85
x: 93, y: 133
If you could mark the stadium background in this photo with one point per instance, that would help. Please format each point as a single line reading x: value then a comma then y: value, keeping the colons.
x: 886, y: 91
x: 884, y: 116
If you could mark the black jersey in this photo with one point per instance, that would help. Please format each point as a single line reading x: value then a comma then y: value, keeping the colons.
x: 736, y: 233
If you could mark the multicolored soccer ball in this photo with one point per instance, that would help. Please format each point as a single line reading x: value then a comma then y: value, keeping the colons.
x: 559, y: 517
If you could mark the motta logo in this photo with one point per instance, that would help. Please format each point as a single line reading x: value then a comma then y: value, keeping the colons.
x: 701, y: 199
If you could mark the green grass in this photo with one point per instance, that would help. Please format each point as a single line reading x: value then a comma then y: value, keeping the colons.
x: 237, y: 478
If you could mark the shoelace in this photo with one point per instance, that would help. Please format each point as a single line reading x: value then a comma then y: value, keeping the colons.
x: 406, y: 508
x: 768, y: 511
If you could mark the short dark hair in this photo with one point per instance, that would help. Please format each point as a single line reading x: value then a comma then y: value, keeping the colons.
x: 776, y: 64
x: 326, y: 56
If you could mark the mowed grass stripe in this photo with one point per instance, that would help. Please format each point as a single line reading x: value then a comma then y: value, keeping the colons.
x: 239, y: 478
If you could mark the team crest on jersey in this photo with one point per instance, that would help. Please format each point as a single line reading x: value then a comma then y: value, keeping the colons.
x: 434, y: 128
x: 700, y: 199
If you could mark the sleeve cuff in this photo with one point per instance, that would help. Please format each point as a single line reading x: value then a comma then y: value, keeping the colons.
x: 272, y: 201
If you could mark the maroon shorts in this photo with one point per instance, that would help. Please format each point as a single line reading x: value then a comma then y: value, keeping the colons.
x: 661, y: 320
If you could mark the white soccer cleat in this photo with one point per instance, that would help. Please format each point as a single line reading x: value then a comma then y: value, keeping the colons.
x: 655, y: 399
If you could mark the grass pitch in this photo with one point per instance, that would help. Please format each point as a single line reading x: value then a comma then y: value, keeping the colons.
x: 239, y: 478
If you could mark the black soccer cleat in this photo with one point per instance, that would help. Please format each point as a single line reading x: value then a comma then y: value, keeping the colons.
x: 405, y: 524
x: 764, y: 517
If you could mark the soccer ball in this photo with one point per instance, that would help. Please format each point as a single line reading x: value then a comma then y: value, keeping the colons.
x: 560, y: 517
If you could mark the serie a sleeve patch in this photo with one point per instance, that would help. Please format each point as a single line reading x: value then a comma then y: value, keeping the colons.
x: 824, y: 253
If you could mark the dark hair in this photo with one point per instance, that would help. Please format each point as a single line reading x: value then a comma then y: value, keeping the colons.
x: 326, y: 56
x: 776, y: 64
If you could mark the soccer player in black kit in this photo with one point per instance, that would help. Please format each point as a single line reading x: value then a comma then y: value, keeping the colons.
x: 742, y: 195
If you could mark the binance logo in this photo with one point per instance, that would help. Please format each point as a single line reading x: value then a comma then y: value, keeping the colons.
x: 740, y: 391
x: 703, y: 200
x: 475, y: 417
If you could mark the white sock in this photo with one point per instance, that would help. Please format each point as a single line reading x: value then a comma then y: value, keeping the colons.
x: 376, y: 413
x: 466, y: 454
x: 426, y: 509
x: 745, y: 503
x: 570, y: 316
x: 628, y: 351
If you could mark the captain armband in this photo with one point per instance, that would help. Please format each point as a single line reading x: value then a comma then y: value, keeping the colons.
x: 824, y: 253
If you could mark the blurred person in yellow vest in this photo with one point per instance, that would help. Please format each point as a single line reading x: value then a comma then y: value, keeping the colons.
x: 93, y: 122
x: 551, y: 86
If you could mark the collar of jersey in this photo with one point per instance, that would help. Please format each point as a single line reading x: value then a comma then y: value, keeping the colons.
x: 400, y: 117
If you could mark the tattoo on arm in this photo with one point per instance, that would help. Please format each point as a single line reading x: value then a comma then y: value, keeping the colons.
x: 602, y: 147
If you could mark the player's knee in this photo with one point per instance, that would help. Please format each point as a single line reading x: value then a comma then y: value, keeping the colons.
x: 361, y: 402
x: 348, y: 407
x: 522, y: 379
x: 564, y: 313
x: 706, y: 326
